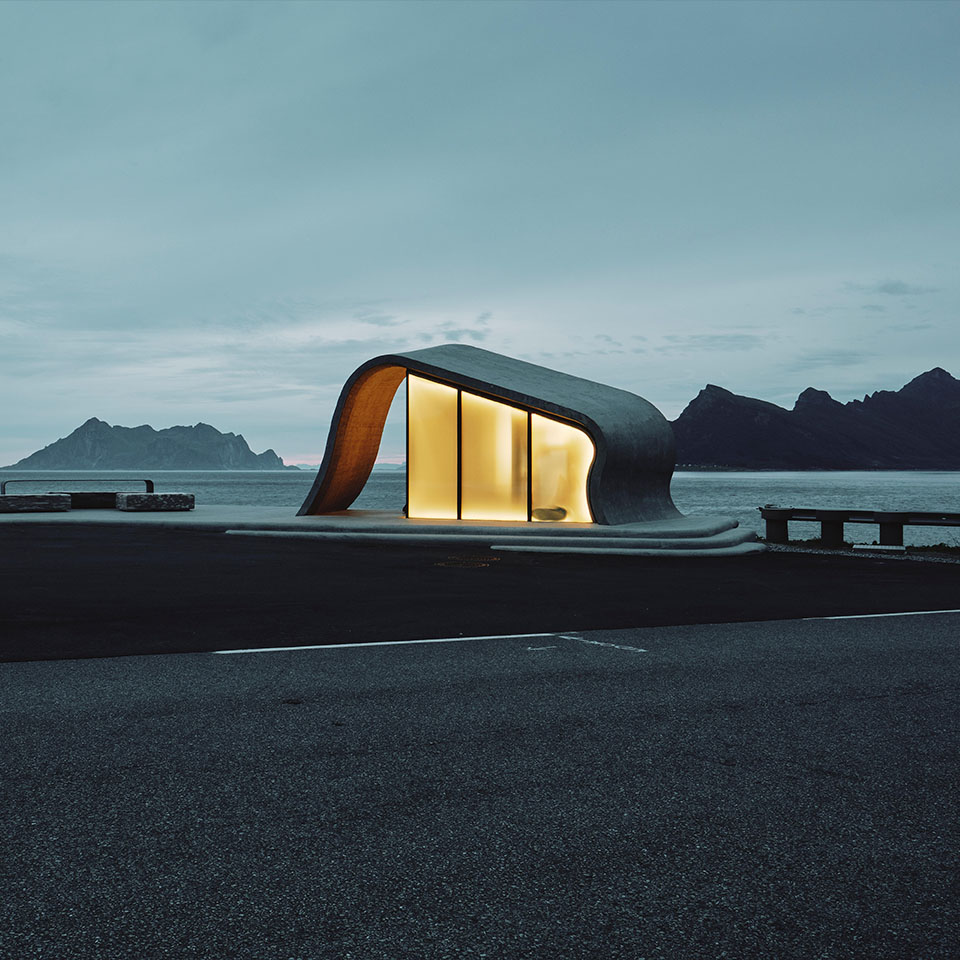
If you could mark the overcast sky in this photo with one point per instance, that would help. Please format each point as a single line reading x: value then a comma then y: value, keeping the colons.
x: 216, y: 211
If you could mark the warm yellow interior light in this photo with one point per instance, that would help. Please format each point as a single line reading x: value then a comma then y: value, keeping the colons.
x: 431, y: 450
x: 493, y: 455
x: 562, y: 455
x: 493, y: 467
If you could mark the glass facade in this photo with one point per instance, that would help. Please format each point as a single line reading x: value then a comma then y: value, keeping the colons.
x: 493, y: 451
x: 431, y: 449
x: 473, y: 458
x: 563, y: 456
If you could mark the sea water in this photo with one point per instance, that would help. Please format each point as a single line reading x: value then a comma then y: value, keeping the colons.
x: 702, y: 493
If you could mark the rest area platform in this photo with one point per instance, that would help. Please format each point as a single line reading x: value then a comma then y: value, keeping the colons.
x: 683, y: 536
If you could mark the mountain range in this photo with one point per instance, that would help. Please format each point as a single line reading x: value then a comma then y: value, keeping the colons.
x: 96, y: 445
x: 914, y: 428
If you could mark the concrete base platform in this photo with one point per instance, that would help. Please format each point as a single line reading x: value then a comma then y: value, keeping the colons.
x: 684, y: 536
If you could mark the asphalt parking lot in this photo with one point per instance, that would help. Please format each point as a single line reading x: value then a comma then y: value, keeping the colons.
x: 778, y: 789
x: 669, y: 763
x: 100, y: 590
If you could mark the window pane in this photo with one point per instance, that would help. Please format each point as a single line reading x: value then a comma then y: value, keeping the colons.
x: 561, y: 455
x: 493, y: 460
x: 432, y: 449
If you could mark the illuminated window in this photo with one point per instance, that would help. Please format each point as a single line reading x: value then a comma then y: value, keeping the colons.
x: 493, y: 448
x: 561, y: 456
x: 431, y: 449
x: 467, y: 458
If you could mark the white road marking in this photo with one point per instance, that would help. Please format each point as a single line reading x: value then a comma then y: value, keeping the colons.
x: 562, y: 636
x: 600, y: 643
x: 388, y: 643
x: 871, y: 616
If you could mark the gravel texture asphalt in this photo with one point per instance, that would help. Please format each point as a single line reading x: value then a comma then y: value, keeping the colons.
x: 781, y: 789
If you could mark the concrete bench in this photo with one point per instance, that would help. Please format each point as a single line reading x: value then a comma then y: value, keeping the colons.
x: 891, y: 522
x: 154, y: 501
x: 82, y: 499
x: 34, y: 502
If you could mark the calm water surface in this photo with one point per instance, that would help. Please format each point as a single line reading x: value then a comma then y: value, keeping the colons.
x: 719, y: 494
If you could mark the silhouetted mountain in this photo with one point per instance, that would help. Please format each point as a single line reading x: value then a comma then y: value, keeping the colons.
x: 914, y: 428
x: 96, y: 445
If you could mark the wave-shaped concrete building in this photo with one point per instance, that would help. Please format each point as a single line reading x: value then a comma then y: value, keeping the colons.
x: 495, y: 440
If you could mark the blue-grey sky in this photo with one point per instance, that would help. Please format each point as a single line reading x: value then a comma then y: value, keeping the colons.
x: 216, y: 211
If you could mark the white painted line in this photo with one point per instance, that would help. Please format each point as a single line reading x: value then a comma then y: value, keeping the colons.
x: 553, y: 647
x: 388, y: 643
x: 616, y: 646
x: 871, y: 616
x: 600, y: 643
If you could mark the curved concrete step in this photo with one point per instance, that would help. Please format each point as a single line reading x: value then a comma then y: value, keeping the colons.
x: 727, y: 538
x: 615, y: 550
x: 731, y: 541
x: 371, y: 521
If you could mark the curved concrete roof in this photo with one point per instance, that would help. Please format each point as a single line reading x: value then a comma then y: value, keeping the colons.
x: 630, y: 477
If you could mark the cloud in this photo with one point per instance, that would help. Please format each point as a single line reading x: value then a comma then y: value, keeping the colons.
x: 379, y: 319
x: 695, y: 342
x: 449, y: 331
x: 459, y: 334
x: 898, y: 288
x: 910, y: 326
x: 890, y: 288
x: 829, y: 358
x: 873, y: 308
x: 562, y: 358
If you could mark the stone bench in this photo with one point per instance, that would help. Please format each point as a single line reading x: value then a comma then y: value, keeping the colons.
x: 34, y: 502
x: 154, y: 501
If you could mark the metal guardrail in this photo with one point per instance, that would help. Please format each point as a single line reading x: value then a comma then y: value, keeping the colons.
x: 891, y: 522
x: 148, y: 483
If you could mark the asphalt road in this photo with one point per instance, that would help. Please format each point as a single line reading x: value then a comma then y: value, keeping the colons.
x: 95, y: 590
x: 769, y: 790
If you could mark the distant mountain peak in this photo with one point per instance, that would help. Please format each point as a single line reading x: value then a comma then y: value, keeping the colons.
x: 811, y: 397
x: 937, y: 373
x: 96, y: 445
x: 710, y: 395
x: 935, y: 379
x: 916, y: 427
